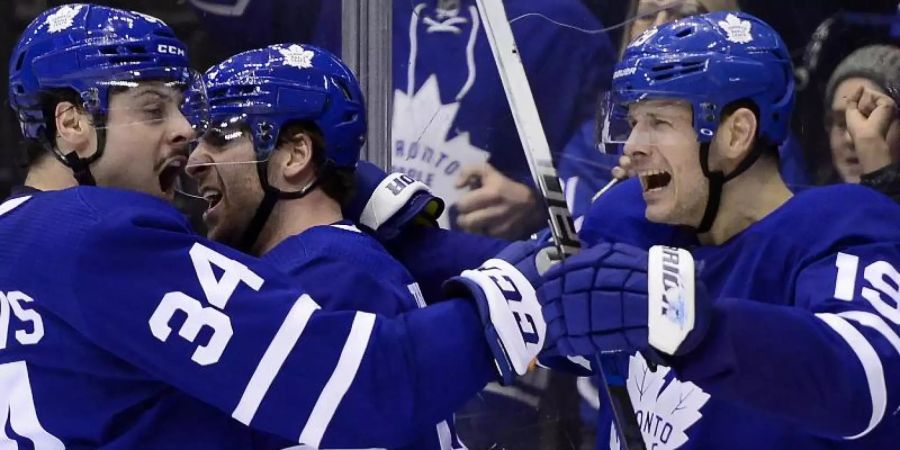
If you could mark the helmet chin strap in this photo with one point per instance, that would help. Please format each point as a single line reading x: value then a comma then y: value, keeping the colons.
x: 717, y: 180
x: 270, y: 196
x: 80, y: 167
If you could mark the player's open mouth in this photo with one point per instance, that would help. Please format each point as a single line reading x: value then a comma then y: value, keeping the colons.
x: 654, y: 180
x: 212, y: 197
x: 170, y: 172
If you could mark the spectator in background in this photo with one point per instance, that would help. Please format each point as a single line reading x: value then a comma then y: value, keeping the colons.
x: 452, y: 126
x: 864, y: 131
x: 650, y: 13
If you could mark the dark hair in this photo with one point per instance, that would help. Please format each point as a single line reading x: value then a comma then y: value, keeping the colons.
x: 338, y: 183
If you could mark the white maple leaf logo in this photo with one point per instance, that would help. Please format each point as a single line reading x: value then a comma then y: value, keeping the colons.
x: 297, y: 56
x: 62, y: 19
x: 737, y: 30
x: 420, y: 129
x: 670, y: 408
x: 644, y: 37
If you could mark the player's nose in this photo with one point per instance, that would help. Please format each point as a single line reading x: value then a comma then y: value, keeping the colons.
x: 198, y: 162
x: 180, y: 131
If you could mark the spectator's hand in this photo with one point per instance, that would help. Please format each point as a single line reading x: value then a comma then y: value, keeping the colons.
x: 497, y: 206
x: 869, y: 117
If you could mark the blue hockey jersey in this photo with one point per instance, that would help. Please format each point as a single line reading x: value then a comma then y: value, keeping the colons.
x: 120, y: 328
x: 803, y: 351
x: 335, y: 263
x: 449, y: 105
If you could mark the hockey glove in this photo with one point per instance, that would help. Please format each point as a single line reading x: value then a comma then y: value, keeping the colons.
x: 386, y: 203
x: 504, y: 291
x: 621, y: 298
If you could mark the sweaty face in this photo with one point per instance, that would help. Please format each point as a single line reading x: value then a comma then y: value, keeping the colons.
x: 664, y: 152
x: 225, y: 171
x: 147, y: 140
x: 843, y: 152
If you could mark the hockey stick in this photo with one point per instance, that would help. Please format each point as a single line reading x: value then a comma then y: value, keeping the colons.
x: 540, y: 162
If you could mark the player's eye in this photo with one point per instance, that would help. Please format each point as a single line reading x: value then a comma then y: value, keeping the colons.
x: 154, y: 111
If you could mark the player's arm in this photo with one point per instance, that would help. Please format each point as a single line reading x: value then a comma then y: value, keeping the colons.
x: 230, y: 331
x: 432, y: 255
x: 402, y: 214
x: 831, y: 365
x: 828, y: 364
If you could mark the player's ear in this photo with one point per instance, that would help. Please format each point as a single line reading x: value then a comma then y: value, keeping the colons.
x: 73, y: 129
x: 736, y: 136
x: 298, y: 157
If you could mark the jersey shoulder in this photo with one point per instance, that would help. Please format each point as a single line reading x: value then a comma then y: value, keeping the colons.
x: 838, y: 215
x: 60, y: 219
x: 344, y: 268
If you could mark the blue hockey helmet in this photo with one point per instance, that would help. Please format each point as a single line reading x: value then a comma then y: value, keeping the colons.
x: 710, y: 61
x: 266, y: 88
x: 91, y: 49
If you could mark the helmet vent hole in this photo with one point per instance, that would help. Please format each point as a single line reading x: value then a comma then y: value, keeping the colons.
x: 343, y: 87
x: 108, y: 51
x: 135, y: 49
x: 685, y: 32
x: 20, y: 61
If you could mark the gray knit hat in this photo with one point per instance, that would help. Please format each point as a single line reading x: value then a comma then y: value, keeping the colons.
x: 879, y: 63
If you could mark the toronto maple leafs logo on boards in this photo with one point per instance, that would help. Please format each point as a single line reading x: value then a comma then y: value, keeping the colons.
x: 63, y: 18
x: 664, y: 411
x: 297, y: 56
x: 426, y: 147
x: 736, y: 30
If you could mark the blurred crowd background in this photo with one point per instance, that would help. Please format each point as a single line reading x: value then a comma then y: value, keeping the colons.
x: 451, y: 126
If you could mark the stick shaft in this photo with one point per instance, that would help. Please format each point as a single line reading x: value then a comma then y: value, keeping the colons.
x: 540, y: 162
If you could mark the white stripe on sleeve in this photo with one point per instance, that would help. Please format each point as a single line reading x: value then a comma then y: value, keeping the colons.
x: 871, y: 364
x: 875, y: 322
x: 340, y: 381
x: 274, y: 358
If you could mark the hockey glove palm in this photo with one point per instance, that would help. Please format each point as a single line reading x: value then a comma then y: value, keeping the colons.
x: 621, y: 298
x: 504, y: 291
x: 385, y: 203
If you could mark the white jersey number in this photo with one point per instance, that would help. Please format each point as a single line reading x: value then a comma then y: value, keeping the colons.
x: 17, y: 410
x: 198, y: 316
x: 884, y: 293
x: 14, y: 304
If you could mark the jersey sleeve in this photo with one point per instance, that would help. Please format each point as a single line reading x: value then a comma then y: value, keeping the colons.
x: 433, y: 255
x: 231, y: 331
x: 831, y: 364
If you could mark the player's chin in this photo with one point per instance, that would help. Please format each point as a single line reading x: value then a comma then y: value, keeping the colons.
x: 657, y: 213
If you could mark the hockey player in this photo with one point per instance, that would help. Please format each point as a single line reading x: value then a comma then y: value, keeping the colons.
x: 779, y: 330
x: 121, y: 328
x: 286, y: 208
